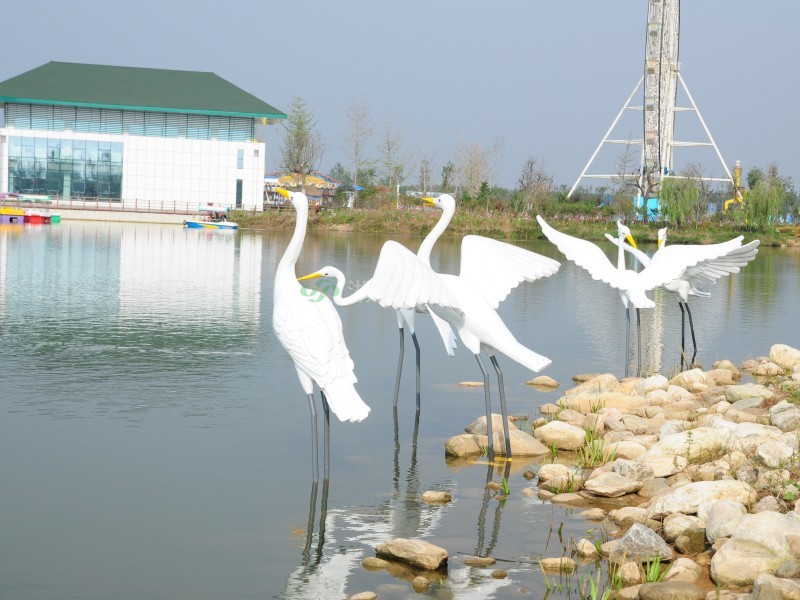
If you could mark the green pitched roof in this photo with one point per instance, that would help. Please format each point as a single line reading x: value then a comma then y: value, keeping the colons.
x: 134, y: 88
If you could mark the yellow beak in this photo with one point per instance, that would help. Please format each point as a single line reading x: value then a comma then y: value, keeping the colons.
x: 631, y: 241
x: 429, y: 201
x: 311, y: 276
x: 282, y: 192
x: 660, y: 243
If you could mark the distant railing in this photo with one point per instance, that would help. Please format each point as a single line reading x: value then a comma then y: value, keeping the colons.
x: 105, y: 204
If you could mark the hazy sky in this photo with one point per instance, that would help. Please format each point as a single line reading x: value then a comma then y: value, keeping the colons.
x: 545, y: 78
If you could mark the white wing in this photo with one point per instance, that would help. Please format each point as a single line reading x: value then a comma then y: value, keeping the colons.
x: 311, y: 332
x: 402, y: 280
x: 586, y: 255
x: 496, y: 268
x: 708, y: 271
x: 672, y: 262
x: 643, y: 259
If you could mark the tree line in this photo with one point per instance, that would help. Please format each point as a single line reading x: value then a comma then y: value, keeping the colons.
x: 392, y: 173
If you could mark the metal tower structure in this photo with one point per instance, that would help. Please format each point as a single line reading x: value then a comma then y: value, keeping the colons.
x: 661, y: 79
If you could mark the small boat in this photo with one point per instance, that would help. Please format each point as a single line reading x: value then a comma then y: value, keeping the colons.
x: 211, y: 217
x: 12, y: 215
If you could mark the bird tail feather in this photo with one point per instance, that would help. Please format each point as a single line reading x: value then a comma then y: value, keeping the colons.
x: 344, y: 401
x: 527, y: 357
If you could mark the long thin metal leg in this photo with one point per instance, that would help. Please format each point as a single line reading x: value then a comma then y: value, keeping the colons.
x: 399, y: 366
x: 691, y: 328
x: 314, y: 444
x: 416, y: 347
x: 312, y: 511
x: 488, y: 407
x: 327, y: 412
x: 627, y: 338
x: 639, y: 345
x: 683, y: 334
x: 503, y: 410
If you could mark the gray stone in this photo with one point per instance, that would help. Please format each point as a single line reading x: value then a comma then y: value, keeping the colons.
x: 747, y: 390
x: 671, y: 590
x: 676, y: 524
x: 563, y: 564
x: 631, y: 469
x: 759, y: 544
x: 688, y: 497
x: 691, y: 541
x: 769, y: 587
x: 769, y: 503
x: 415, y: 552
x: 683, y: 569
x: 774, y: 453
x: 787, y: 420
x: 479, y: 561
x: 642, y: 544
x: 785, y: 356
x: 723, y: 517
x: 611, y: 485
x: 563, y: 435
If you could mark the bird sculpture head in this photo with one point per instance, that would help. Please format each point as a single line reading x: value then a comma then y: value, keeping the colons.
x: 625, y: 232
x: 296, y: 198
x: 323, y: 272
x: 662, y: 236
x: 442, y: 202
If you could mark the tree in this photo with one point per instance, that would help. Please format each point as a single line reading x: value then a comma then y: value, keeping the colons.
x: 694, y: 173
x: 754, y: 175
x: 765, y: 200
x: 678, y: 198
x: 392, y: 161
x: 535, y: 186
x: 341, y: 174
x: 447, y: 176
x: 634, y: 179
x: 302, y: 148
x: 358, y: 133
x: 471, y: 168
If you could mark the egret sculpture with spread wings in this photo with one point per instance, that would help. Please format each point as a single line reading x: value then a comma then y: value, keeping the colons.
x: 311, y: 332
x: 666, y: 266
x: 703, y: 273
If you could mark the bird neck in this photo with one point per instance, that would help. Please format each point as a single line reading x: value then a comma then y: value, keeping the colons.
x: 621, y: 252
x: 426, y: 246
x: 285, y: 272
x: 338, y: 294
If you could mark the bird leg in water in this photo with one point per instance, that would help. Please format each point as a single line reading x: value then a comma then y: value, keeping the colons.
x: 399, y: 366
x: 312, y: 511
x: 691, y: 329
x: 327, y: 412
x: 488, y: 401
x: 683, y: 336
x: 627, y: 338
x: 314, y: 445
x: 416, y: 347
x: 639, y: 346
x: 502, y: 405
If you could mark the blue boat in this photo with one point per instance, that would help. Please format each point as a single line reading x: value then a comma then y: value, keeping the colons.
x: 211, y: 217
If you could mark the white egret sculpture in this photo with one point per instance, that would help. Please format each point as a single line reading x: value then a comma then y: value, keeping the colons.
x: 665, y: 266
x: 311, y: 332
x: 703, y: 273
x: 489, y: 270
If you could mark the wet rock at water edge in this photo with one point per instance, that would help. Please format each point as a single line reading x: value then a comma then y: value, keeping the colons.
x: 558, y: 565
x: 420, y: 584
x: 671, y: 590
x: 479, y: 561
x: 470, y: 384
x: 544, y: 382
x: 499, y: 574
x: 414, y: 552
x: 372, y: 563
x: 642, y: 544
x: 363, y: 596
x: 436, y: 497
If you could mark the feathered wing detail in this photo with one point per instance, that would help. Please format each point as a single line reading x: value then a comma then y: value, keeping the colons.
x: 672, y: 262
x: 585, y: 254
x: 447, y: 333
x: 311, y: 332
x: 403, y: 281
x: 708, y: 271
x: 496, y: 268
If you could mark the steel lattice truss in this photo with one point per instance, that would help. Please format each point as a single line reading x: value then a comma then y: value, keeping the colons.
x: 660, y: 83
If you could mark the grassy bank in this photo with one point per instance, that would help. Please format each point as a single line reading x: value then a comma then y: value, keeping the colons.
x: 500, y: 225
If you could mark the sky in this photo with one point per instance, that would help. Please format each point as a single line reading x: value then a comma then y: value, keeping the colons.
x: 544, y: 79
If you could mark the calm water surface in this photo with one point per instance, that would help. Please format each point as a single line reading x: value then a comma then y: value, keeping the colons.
x: 155, y: 437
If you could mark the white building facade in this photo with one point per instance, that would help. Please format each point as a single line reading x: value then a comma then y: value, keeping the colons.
x: 133, y: 139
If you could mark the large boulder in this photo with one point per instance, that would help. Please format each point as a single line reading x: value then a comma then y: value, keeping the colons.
x: 641, y: 544
x: 785, y: 356
x: 563, y: 435
x: 761, y: 543
x: 687, y: 498
x: 693, y: 380
x: 414, y: 552
x: 611, y: 485
x: 747, y: 390
x: 723, y: 517
x: 675, y: 452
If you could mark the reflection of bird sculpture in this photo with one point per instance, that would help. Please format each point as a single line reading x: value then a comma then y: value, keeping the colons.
x: 311, y: 332
x: 665, y: 266
x: 703, y: 273
x: 489, y: 270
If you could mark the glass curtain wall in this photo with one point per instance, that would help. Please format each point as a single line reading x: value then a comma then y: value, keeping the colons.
x: 66, y: 168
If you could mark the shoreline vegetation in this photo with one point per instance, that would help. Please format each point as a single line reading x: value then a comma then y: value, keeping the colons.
x: 506, y: 225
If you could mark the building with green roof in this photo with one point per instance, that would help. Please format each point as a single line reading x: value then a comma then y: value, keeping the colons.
x: 132, y: 136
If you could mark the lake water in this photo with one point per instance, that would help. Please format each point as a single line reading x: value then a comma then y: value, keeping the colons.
x: 155, y: 438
